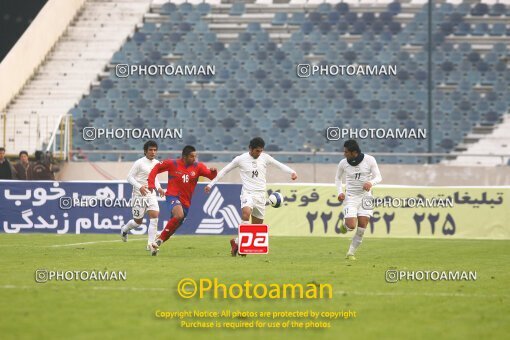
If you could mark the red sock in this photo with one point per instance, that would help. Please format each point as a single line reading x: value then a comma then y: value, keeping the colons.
x: 170, y: 228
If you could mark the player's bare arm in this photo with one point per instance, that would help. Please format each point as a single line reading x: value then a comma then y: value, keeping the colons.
x: 229, y: 167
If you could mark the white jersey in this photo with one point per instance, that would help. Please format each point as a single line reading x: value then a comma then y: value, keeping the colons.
x: 139, y: 174
x: 252, y: 170
x: 356, y: 176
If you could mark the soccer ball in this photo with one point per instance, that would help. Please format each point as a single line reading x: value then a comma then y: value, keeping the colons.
x: 275, y: 199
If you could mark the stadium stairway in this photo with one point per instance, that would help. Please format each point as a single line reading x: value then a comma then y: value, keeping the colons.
x: 486, y: 140
x: 99, y: 29
x: 471, y: 64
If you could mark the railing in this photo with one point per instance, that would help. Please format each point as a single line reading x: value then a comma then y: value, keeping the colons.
x: 60, y: 142
x: 27, y: 132
x: 312, y: 154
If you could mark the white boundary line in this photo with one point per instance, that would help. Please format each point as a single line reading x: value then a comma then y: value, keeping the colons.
x: 338, y: 292
x: 422, y: 294
x: 41, y: 285
x: 92, y: 242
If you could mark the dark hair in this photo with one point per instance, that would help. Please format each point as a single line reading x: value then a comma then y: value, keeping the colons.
x: 149, y: 144
x: 257, y: 142
x: 352, y: 145
x: 187, y: 150
x: 2, y: 148
x: 39, y: 155
x: 23, y: 153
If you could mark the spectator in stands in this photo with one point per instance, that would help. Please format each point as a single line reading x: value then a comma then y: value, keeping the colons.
x: 22, y: 169
x: 5, y: 166
x: 41, y: 169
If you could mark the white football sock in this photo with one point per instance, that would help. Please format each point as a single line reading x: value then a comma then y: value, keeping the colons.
x: 356, y: 240
x: 130, y: 225
x: 152, y: 230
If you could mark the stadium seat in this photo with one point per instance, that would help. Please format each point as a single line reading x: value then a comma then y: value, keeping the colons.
x: 394, y: 7
x: 168, y: 8
x: 280, y: 18
x: 237, y: 8
x: 480, y: 9
x: 203, y: 8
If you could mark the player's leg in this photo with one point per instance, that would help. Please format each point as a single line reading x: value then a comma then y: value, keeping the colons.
x: 178, y: 215
x: 350, y: 217
x: 259, y: 209
x: 348, y: 225
x: 358, y: 236
x: 153, y: 212
x: 256, y: 220
x: 363, y: 217
x: 246, y: 211
x: 350, y: 220
x: 152, y: 229
x: 173, y: 223
x: 234, y: 243
x: 135, y: 222
x: 177, y: 218
x: 245, y: 214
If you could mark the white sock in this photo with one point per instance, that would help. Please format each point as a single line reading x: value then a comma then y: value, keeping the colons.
x: 237, y: 238
x: 152, y: 230
x: 130, y: 225
x: 356, y: 240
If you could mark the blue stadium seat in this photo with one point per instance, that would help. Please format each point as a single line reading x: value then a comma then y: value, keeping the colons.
x: 297, y: 18
x: 480, y: 9
x: 480, y: 29
x: 279, y: 19
x: 203, y: 8
x: 394, y: 7
x: 168, y: 8
x: 351, y: 18
x: 342, y: 8
x: 498, y: 9
x: 237, y: 8
x: 185, y: 7
x: 498, y: 29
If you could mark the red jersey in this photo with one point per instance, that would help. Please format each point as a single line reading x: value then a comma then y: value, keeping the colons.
x: 182, y: 179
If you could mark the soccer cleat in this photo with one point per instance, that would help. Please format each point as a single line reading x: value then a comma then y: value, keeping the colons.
x: 123, y: 235
x: 148, y: 247
x: 233, y: 247
x: 343, y: 229
x: 156, y: 244
x: 155, y: 247
x: 350, y: 257
x: 154, y: 250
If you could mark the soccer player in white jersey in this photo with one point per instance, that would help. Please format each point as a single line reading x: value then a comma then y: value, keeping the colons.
x: 142, y: 200
x: 252, y: 166
x: 361, y: 174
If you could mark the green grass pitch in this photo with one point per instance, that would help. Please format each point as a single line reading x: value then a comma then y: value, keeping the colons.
x: 125, y: 309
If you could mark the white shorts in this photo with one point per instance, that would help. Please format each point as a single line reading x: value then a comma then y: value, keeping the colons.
x: 256, y: 200
x: 141, y: 204
x: 354, y: 207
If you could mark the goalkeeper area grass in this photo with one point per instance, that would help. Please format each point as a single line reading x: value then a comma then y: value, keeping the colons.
x: 423, y: 309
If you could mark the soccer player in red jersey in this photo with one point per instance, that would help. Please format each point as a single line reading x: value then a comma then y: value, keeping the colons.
x: 183, y: 176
